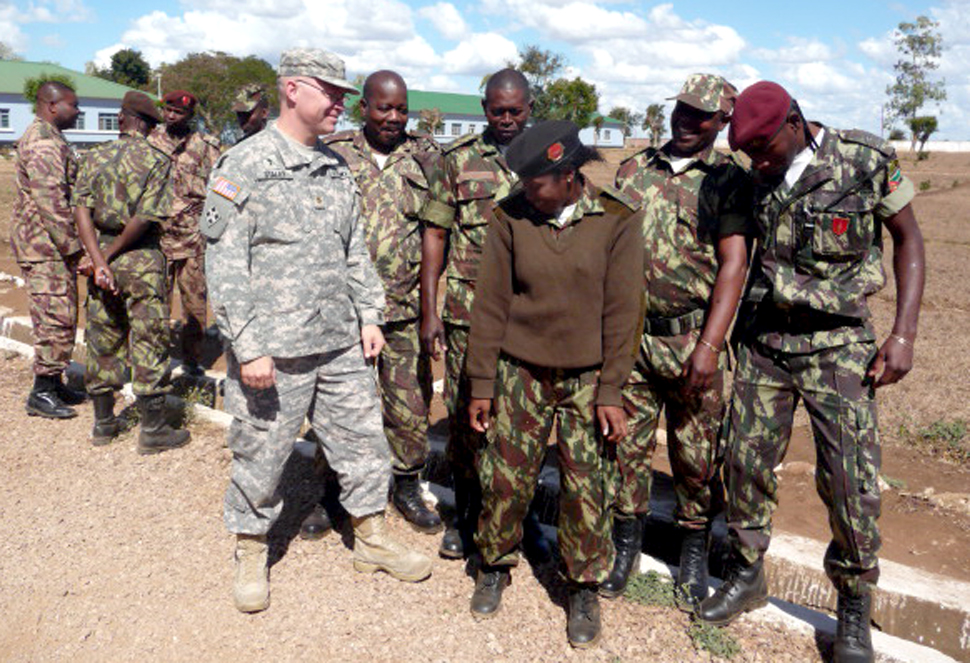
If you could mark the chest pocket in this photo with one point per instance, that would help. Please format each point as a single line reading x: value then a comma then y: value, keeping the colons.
x: 415, y: 191
x: 479, y: 192
x: 844, y: 229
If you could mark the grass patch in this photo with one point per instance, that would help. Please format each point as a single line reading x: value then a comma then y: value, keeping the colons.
x: 895, y: 484
x: 714, y: 640
x: 925, y: 185
x: 943, y: 438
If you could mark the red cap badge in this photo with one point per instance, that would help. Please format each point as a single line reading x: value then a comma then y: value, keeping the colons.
x: 840, y: 224
x: 554, y: 152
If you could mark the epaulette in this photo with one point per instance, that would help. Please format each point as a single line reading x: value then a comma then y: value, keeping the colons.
x: 861, y: 137
x: 618, y: 196
x: 461, y: 141
x: 340, y: 137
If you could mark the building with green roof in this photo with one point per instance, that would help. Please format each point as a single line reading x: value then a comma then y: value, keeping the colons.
x: 98, y: 99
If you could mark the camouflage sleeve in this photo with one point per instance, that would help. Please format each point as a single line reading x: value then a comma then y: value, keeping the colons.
x: 441, y: 207
x: 82, y: 194
x: 366, y: 290
x: 490, y: 311
x: 155, y: 202
x: 895, y: 190
x: 47, y: 168
x: 623, y: 182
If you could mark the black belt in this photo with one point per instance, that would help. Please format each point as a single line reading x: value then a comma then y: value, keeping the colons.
x: 681, y: 324
x: 802, y: 320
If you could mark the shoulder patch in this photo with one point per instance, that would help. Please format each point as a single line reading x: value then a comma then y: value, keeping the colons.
x: 213, y: 222
x: 869, y: 140
x: 225, y: 188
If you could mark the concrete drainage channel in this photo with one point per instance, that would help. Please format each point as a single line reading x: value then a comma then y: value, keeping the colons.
x: 921, y: 617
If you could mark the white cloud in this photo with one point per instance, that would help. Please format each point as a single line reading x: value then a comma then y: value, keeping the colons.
x: 798, y: 50
x: 479, y: 54
x: 446, y: 19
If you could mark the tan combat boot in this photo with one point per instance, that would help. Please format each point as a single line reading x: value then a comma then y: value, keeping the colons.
x: 374, y: 551
x: 251, y: 589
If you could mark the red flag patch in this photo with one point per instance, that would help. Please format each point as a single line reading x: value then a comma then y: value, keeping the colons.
x: 840, y: 224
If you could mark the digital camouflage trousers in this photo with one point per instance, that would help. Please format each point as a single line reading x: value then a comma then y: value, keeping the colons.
x: 52, y: 298
x: 840, y: 403
x: 529, y: 401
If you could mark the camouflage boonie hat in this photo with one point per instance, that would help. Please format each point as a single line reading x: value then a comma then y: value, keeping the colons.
x: 248, y: 97
x: 708, y: 92
x: 316, y: 63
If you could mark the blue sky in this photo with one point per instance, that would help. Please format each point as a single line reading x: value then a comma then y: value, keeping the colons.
x: 836, y: 57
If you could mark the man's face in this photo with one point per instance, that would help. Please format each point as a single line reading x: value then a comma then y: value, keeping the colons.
x: 254, y: 121
x: 385, y: 116
x: 770, y: 159
x: 176, y: 118
x: 65, y: 111
x: 548, y: 193
x: 319, y: 104
x: 693, y: 130
x: 506, y: 110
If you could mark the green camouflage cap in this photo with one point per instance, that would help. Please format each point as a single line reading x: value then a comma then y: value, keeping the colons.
x: 249, y: 97
x: 316, y: 63
x: 708, y: 92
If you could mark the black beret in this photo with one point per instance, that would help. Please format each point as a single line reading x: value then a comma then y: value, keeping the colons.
x: 543, y: 147
x: 758, y: 114
x: 140, y: 104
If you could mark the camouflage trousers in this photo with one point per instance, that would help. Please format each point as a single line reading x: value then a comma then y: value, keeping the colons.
x: 529, y: 401
x: 464, y: 442
x: 693, y: 423
x: 841, y: 405
x: 404, y: 373
x: 52, y: 298
x: 338, y: 392
x: 188, y: 275
x: 131, y: 326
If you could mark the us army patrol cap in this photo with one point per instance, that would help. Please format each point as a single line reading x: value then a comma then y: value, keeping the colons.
x: 248, y: 98
x: 759, y: 113
x: 139, y: 104
x: 543, y: 147
x: 708, y: 92
x: 316, y: 63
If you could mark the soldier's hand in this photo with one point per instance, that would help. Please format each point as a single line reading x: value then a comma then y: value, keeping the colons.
x: 478, y: 413
x: 85, y: 267
x: 259, y: 373
x: 432, y: 335
x: 372, y: 339
x: 893, y: 361
x: 104, y: 279
x: 700, y: 369
x: 612, y: 422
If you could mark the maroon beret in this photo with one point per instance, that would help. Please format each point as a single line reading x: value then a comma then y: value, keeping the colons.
x: 758, y: 113
x: 180, y: 99
x: 139, y: 104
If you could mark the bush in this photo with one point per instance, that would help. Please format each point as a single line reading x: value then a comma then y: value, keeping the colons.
x: 925, y: 185
x: 32, y: 85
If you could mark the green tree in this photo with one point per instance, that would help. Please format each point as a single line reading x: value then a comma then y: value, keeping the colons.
x: 653, y: 123
x: 574, y: 100
x: 922, y: 128
x: 215, y: 78
x: 128, y: 67
x: 541, y: 68
x: 627, y: 117
x: 354, y: 112
x: 432, y: 120
x: 919, y: 45
x: 32, y: 85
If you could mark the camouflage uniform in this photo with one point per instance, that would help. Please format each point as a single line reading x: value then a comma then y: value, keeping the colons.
x: 686, y: 212
x: 805, y: 333
x: 45, y: 242
x: 290, y: 279
x: 391, y: 198
x: 124, y: 179
x: 472, y: 176
x: 193, y: 157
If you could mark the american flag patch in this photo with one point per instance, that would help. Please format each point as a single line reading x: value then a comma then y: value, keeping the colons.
x: 225, y: 188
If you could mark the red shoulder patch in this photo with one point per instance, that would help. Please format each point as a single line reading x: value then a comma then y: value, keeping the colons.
x: 840, y: 224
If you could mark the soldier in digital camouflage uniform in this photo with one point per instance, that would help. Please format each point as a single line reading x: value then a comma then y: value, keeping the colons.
x: 822, y: 199
x: 387, y: 163
x: 553, y: 351
x: 123, y: 193
x: 251, y: 107
x: 696, y: 217
x: 464, y: 185
x: 193, y: 155
x: 46, y: 247
x: 299, y: 303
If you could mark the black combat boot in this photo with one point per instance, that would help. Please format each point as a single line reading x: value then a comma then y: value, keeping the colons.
x: 156, y: 434
x: 406, y: 499
x: 628, y: 541
x: 489, y: 585
x: 458, y: 541
x: 743, y: 590
x: 583, y: 626
x: 853, y: 639
x: 317, y: 524
x: 106, y: 425
x: 692, y: 579
x: 44, y: 401
x: 67, y: 395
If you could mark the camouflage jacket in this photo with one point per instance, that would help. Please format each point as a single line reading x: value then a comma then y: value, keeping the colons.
x: 684, y: 215
x: 471, y: 178
x: 390, y: 201
x: 42, y: 227
x: 193, y: 157
x: 126, y: 178
x: 286, y: 265
x: 820, y: 242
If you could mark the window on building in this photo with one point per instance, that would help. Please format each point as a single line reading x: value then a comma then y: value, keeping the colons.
x: 107, y: 121
x: 4, y: 118
x: 440, y: 130
x: 456, y: 128
x: 79, y: 122
x: 606, y: 134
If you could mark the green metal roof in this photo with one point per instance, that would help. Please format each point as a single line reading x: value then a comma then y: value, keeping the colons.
x: 13, y: 74
x: 452, y: 103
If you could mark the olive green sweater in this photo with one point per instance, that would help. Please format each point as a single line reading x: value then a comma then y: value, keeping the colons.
x: 560, y: 298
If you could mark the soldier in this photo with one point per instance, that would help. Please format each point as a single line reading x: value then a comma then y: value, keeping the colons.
x: 471, y: 177
x: 553, y: 351
x: 299, y: 302
x: 386, y: 162
x: 696, y: 217
x: 193, y: 155
x: 252, y: 109
x: 46, y: 246
x: 821, y: 201
x: 123, y: 191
